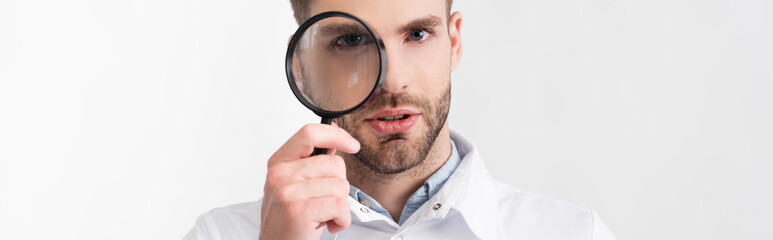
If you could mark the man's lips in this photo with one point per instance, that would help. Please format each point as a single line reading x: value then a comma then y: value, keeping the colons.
x: 390, y: 113
x: 393, y: 120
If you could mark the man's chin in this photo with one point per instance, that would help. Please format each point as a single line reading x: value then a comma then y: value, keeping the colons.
x: 408, y: 139
x: 391, y: 154
x: 394, y: 159
x: 390, y: 142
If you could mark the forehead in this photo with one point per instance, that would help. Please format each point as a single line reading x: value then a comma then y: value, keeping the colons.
x: 384, y: 15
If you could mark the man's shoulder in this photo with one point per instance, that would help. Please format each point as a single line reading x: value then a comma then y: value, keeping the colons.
x: 246, y: 212
x: 237, y: 221
x: 238, y: 208
x: 517, y: 199
x: 539, y: 215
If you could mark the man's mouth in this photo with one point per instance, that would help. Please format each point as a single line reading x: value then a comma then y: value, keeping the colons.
x: 393, y: 121
x: 393, y: 118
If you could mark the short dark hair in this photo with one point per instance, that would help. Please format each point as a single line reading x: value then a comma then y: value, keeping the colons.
x: 301, y: 9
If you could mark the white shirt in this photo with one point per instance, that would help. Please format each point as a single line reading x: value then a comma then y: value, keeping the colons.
x: 471, y: 205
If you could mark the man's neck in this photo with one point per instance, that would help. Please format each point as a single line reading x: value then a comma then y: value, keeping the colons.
x: 392, y: 191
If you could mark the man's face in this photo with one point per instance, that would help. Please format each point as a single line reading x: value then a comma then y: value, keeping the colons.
x: 398, y: 127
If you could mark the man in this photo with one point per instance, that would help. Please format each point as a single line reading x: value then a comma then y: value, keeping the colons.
x: 395, y: 170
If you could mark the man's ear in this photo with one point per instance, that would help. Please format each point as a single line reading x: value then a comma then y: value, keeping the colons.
x: 289, y: 39
x: 454, y: 33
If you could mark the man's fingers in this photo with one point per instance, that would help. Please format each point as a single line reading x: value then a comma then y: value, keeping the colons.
x: 314, y: 188
x: 320, y: 166
x: 312, y: 136
x: 332, y: 211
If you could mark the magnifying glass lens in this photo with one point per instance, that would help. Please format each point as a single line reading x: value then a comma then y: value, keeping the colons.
x: 336, y: 63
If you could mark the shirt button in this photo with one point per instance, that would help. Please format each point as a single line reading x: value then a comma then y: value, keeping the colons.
x: 365, y: 202
x: 399, y: 238
x: 437, y: 206
x: 364, y: 209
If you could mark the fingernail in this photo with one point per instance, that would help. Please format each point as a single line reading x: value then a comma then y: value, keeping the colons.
x: 355, y: 144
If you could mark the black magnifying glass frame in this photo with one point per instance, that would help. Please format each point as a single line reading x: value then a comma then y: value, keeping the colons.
x: 327, y: 116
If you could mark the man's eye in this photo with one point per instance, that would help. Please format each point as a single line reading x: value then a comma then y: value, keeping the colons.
x: 349, y: 40
x: 418, y: 35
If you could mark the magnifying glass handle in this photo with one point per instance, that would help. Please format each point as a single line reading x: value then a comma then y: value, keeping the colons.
x: 319, y: 151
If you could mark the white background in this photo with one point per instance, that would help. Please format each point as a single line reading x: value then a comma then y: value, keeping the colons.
x: 128, y: 119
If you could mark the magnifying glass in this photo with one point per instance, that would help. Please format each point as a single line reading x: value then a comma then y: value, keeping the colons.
x: 335, y: 63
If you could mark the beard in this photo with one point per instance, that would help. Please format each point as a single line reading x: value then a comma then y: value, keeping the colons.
x: 398, y: 152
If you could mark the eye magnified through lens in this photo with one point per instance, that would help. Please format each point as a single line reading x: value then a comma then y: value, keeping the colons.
x: 335, y: 63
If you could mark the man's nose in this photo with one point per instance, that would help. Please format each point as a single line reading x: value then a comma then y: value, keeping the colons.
x: 396, y: 80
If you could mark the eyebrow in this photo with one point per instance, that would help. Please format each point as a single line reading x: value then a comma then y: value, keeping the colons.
x: 337, y: 29
x: 429, y: 21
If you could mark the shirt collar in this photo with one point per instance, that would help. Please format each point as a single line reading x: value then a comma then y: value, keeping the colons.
x: 470, y: 191
x: 434, y: 183
x: 431, y: 186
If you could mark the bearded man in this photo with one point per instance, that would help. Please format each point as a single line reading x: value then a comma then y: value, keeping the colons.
x: 394, y: 169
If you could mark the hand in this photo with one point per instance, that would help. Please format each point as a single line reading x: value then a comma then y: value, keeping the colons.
x: 303, y: 194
